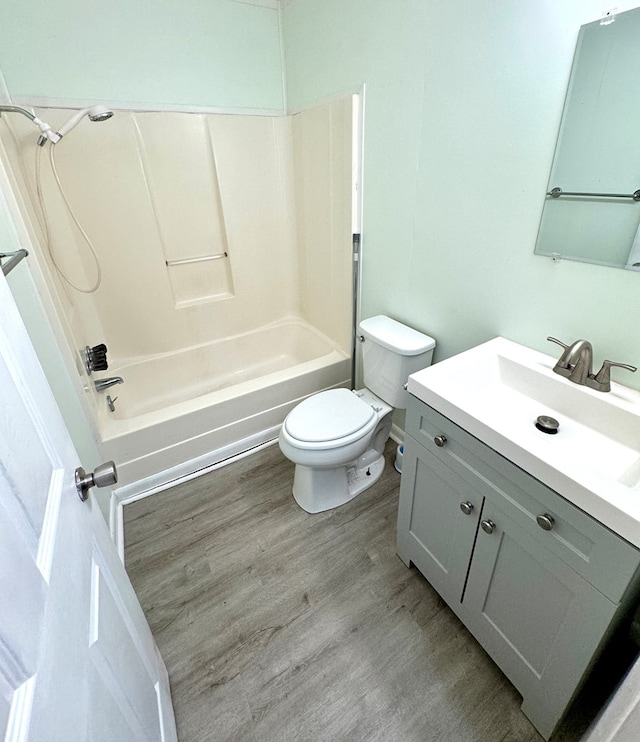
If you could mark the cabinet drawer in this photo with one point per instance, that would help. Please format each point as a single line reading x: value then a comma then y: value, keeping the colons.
x: 593, y: 551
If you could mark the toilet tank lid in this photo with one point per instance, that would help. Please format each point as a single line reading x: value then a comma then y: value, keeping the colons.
x: 395, y: 336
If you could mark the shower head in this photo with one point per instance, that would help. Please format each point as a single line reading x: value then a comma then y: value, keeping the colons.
x: 100, y: 113
x: 95, y: 113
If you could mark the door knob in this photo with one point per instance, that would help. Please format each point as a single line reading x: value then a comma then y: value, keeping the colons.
x: 488, y: 526
x: 104, y: 476
x: 466, y: 507
x: 440, y: 440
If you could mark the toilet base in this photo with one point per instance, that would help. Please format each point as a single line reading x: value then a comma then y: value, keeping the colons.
x: 317, y: 490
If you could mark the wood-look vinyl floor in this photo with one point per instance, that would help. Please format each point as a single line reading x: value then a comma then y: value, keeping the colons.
x: 279, y: 625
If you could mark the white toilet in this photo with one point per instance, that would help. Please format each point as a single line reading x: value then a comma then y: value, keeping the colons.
x: 336, y: 438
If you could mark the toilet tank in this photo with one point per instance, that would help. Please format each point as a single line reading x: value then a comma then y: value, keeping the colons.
x: 390, y: 352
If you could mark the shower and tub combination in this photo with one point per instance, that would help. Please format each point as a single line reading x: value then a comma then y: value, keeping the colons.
x: 212, y: 255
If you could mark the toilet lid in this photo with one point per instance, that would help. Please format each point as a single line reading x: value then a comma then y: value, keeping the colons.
x: 328, y: 416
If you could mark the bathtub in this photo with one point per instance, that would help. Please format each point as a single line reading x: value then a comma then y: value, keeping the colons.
x: 180, y: 412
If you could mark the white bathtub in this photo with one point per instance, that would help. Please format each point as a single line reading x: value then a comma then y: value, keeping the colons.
x: 180, y: 412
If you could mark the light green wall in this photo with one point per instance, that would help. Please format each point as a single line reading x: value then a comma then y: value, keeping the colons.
x: 463, y: 103
x: 220, y: 53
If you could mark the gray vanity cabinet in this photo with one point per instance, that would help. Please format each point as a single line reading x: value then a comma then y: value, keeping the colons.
x: 540, y: 621
x: 539, y: 583
x: 438, y: 538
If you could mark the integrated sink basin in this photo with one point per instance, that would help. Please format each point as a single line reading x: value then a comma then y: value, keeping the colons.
x: 497, y: 390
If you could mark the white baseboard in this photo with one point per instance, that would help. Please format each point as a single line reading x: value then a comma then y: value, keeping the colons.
x: 397, y: 434
x: 179, y: 474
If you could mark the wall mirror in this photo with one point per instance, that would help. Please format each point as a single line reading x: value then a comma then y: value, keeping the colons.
x: 592, y: 205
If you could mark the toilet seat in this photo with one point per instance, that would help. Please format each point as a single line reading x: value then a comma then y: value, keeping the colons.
x: 330, y: 419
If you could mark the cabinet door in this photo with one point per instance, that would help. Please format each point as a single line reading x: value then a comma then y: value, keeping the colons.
x: 433, y: 531
x: 538, y: 619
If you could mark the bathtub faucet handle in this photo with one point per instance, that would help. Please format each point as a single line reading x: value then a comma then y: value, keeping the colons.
x: 95, y: 359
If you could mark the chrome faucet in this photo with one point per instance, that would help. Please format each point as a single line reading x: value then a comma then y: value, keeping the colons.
x: 576, y: 362
x: 102, y: 384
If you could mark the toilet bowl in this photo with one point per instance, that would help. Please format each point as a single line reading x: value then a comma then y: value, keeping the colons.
x: 336, y: 438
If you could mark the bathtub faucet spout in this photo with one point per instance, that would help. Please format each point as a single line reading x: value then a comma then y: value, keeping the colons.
x: 102, y: 384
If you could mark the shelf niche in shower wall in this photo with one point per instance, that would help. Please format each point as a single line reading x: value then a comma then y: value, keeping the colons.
x: 178, y: 159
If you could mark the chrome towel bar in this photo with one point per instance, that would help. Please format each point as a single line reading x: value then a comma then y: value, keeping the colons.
x: 184, y: 261
x: 14, y: 259
x: 557, y: 192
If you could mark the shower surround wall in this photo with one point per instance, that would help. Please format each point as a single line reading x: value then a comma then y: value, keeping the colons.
x: 268, y: 198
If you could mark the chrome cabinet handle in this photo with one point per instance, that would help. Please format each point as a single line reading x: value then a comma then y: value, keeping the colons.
x: 466, y: 507
x: 488, y: 526
x: 545, y: 521
x: 440, y: 440
x: 104, y: 476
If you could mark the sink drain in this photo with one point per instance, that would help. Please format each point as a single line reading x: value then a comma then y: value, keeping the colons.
x: 547, y: 424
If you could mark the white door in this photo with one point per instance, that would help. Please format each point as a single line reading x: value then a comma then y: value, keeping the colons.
x: 77, y: 659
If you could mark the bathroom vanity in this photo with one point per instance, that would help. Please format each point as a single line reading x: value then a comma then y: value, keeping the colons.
x: 539, y: 582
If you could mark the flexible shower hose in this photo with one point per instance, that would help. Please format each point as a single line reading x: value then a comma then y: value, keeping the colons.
x: 47, y: 231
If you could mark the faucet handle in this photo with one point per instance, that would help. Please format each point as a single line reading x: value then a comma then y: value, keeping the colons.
x: 558, y: 342
x: 95, y: 359
x: 602, y: 380
x: 562, y: 367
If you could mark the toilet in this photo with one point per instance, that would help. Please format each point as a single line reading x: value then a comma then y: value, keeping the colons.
x: 336, y: 438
